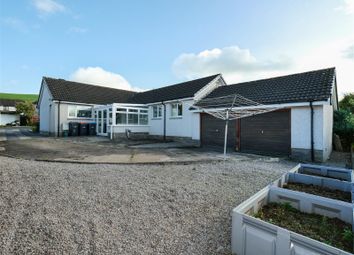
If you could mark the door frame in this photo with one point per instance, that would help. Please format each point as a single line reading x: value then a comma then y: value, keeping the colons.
x: 100, y: 120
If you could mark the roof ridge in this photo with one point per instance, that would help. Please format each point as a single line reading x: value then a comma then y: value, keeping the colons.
x: 176, y: 84
x: 89, y: 84
x: 281, y: 76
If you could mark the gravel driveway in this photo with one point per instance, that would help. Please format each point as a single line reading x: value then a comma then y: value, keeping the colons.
x: 58, y: 208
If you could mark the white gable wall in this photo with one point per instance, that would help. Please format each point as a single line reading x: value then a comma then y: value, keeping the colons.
x: 45, y: 114
x: 301, y: 127
x: 323, y: 129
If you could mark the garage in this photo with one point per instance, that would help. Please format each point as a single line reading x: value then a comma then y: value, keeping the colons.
x: 267, y: 133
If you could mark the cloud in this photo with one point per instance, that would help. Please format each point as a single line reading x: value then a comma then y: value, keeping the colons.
x: 77, y: 30
x: 232, y: 62
x: 48, y: 6
x: 16, y: 24
x: 328, y: 55
x: 349, y: 52
x: 347, y: 7
x: 99, y: 76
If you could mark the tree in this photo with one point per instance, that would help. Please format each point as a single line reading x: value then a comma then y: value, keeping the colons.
x: 343, y: 120
x: 26, y: 109
x: 347, y: 103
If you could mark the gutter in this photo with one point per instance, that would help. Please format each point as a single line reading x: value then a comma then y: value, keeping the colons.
x: 312, y: 129
x: 268, y: 106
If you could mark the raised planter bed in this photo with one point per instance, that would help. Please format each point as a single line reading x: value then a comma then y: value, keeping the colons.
x: 326, y: 171
x: 317, y: 185
x: 253, y: 236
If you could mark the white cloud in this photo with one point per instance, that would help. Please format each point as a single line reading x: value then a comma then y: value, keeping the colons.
x: 48, y: 6
x: 234, y: 63
x: 238, y: 65
x: 349, y: 52
x: 77, y: 30
x: 347, y: 7
x: 99, y: 76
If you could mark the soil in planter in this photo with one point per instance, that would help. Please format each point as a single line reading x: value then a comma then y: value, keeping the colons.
x: 320, y: 191
x: 333, y: 232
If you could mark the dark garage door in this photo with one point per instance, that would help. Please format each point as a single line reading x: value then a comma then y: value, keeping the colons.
x: 213, y: 132
x: 267, y: 133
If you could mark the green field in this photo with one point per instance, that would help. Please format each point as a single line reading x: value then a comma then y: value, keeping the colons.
x: 25, y: 97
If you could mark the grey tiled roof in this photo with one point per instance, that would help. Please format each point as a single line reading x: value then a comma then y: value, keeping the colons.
x: 92, y: 94
x: 300, y: 87
x: 176, y: 91
x: 9, y: 102
x: 86, y: 93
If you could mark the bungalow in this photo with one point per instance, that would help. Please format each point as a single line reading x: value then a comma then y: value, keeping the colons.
x: 8, y: 112
x: 301, y: 128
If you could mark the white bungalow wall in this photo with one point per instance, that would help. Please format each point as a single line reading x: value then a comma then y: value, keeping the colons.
x: 46, y: 117
x: 186, y: 126
x: 301, y: 130
x: 6, y: 118
x: 327, y: 130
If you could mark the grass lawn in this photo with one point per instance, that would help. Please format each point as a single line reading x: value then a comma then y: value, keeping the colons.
x: 26, y: 97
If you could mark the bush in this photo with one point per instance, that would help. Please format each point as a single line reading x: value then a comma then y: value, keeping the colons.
x: 35, y: 127
x: 344, y: 127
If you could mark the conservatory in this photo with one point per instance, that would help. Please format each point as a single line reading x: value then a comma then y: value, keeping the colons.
x: 118, y: 118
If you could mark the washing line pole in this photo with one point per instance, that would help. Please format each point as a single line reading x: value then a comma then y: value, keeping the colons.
x: 226, y: 128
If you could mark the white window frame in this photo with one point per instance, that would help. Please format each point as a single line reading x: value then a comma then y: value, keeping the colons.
x: 132, y: 110
x: 158, y: 111
x: 76, y: 110
x: 176, y: 105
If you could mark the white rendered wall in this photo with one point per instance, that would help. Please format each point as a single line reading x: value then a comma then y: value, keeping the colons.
x: 44, y: 110
x: 188, y: 125
x: 133, y: 128
x: 155, y: 124
x: 327, y: 130
x: 184, y: 126
x: 8, y: 118
x: 301, y: 127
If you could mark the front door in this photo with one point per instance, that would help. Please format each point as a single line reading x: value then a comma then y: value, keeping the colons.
x: 102, y: 122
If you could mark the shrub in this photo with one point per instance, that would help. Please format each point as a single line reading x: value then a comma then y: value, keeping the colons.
x: 344, y: 127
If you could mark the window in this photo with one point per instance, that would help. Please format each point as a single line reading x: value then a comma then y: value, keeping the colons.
x: 121, y: 118
x: 133, y: 119
x: 130, y: 116
x: 78, y: 111
x: 143, y: 118
x: 176, y: 110
x: 157, y: 111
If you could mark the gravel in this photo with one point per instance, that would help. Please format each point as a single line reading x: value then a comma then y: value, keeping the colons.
x: 51, y: 208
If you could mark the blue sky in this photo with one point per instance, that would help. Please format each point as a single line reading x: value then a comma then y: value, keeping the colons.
x: 148, y: 44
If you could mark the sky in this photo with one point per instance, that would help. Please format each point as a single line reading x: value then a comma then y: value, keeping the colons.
x: 140, y: 45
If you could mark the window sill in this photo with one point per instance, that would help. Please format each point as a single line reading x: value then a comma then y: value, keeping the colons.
x: 160, y: 118
x: 177, y: 117
x: 80, y: 118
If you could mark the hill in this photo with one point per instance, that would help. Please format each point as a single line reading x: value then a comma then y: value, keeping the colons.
x: 25, y: 97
